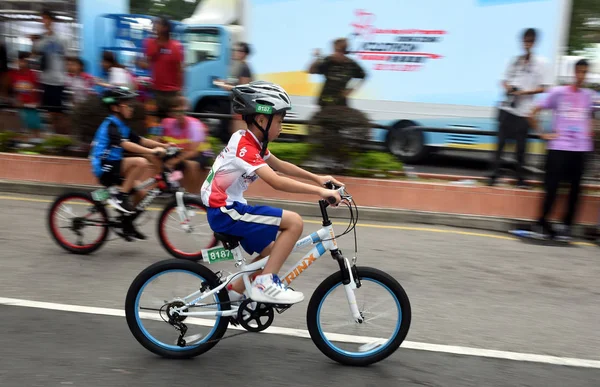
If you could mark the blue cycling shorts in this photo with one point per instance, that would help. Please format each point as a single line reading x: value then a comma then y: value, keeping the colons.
x: 258, y: 225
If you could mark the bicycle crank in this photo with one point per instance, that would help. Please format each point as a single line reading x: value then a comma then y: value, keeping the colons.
x: 255, y: 316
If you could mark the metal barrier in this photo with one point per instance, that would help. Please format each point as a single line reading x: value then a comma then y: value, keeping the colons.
x: 369, y: 144
x: 377, y: 125
x: 228, y: 116
x: 462, y: 131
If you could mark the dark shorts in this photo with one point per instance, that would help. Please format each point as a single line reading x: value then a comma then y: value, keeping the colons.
x: 52, y: 98
x: 111, y: 174
x: 205, y: 162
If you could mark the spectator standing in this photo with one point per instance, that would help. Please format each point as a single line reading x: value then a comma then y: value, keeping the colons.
x: 338, y: 70
x: 239, y: 71
x: 24, y: 83
x: 117, y: 75
x: 526, y: 76
x: 569, y: 144
x: 3, y: 71
x: 239, y: 74
x: 80, y: 83
x: 51, y: 50
x: 165, y: 57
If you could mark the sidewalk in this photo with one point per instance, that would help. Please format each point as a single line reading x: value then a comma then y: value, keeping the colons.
x: 415, y: 201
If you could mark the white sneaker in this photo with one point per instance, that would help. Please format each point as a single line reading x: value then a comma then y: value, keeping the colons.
x: 269, y: 289
x: 121, y: 203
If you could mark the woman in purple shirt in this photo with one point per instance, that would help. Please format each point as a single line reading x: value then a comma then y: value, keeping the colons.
x: 569, y: 143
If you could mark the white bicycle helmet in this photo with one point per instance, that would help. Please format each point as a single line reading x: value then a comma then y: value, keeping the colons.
x: 260, y: 97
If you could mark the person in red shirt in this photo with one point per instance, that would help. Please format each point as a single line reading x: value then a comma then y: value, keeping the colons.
x: 165, y: 56
x: 24, y: 83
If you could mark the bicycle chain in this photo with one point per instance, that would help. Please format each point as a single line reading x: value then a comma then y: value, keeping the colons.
x: 229, y: 322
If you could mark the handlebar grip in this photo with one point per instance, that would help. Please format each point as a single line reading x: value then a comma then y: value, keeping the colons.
x: 331, y: 200
x: 331, y: 185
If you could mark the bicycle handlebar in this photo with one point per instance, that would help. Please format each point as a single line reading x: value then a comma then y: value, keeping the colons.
x: 341, y: 190
x: 170, y: 152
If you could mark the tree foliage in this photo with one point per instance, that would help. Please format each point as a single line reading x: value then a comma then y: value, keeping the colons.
x: 173, y: 9
x: 585, y: 25
x: 337, y: 132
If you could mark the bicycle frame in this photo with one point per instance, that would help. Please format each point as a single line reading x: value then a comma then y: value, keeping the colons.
x: 152, y: 194
x: 323, y: 239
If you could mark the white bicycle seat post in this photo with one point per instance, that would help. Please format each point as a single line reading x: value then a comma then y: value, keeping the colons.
x: 238, y: 256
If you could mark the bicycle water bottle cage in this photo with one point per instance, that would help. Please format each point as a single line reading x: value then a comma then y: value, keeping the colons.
x: 230, y: 242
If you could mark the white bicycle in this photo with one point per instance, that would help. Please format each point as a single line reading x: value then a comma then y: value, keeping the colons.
x: 191, y: 310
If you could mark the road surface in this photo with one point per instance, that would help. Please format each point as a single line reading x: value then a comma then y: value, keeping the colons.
x: 487, y: 310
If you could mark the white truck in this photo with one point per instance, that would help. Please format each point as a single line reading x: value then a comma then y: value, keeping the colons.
x: 433, y: 63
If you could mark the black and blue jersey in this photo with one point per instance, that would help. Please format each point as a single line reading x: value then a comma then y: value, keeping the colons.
x: 106, y: 146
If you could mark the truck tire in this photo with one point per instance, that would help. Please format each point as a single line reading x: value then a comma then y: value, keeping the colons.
x: 407, y: 145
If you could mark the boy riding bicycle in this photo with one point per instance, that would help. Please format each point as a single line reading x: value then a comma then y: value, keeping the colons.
x: 106, y: 154
x: 262, y: 106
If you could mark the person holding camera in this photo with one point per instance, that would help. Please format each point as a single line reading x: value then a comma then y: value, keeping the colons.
x: 525, y: 77
x: 339, y: 70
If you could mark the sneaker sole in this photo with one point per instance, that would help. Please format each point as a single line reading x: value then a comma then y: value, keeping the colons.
x: 266, y: 300
x: 117, y: 207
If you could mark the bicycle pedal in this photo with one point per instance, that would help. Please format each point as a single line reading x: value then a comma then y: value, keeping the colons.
x: 281, y: 308
x: 233, y: 321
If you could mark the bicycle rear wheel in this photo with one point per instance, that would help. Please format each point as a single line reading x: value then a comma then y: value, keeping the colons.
x: 75, y: 215
x: 151, y: 309
x: 385, y: 322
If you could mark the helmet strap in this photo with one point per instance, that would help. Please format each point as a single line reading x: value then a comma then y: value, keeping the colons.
x: 265, y: 132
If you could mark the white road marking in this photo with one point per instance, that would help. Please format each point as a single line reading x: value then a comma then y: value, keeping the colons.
x: 456, y: 350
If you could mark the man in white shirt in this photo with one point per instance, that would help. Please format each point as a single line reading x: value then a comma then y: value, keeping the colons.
x: 526, y: 76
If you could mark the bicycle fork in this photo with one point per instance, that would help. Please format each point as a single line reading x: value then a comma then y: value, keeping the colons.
x: 181, y: 211
x: 351, y: 282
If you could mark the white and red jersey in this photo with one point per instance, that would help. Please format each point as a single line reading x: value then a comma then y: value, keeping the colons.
x: 233, y: 170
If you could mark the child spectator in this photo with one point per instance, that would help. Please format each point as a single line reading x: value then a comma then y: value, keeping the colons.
x: 80, y: 83
x: 117, y: 74
x: 24, y: 83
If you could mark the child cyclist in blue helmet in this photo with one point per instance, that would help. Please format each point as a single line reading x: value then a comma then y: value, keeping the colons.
x: 108, y: 164
x: 262, y: 106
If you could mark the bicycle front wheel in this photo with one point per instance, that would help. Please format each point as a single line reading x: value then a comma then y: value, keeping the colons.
x: 185, y: 238
x: 385, y: 312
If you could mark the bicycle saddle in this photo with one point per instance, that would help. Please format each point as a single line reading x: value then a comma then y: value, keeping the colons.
x: 229, y: 241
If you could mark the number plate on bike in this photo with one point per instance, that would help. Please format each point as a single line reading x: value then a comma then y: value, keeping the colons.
x: 100, y: 195
x: 216, y: 254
